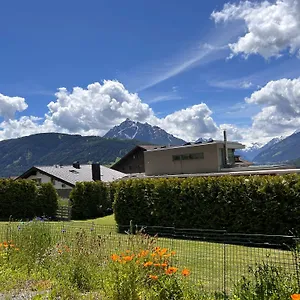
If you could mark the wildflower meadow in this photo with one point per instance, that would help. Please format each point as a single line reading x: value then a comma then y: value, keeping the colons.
x: 51, y: 260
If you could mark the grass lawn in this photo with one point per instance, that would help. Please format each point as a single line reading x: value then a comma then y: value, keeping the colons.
x: 207, y: 261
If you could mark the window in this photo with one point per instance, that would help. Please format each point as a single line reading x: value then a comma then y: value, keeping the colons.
x: 190, y: 156
x: 197, y: 155
x: 63, y: 185
x: 176, y: 157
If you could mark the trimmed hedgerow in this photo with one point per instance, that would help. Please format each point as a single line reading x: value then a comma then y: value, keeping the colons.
x: 254, y: 204
x: 90, y: 200
x: 23, y: 199
x: 47, y: 200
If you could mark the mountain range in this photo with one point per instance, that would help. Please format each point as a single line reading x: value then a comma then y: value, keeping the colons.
x: 20, y: 154
x: 143, y: 132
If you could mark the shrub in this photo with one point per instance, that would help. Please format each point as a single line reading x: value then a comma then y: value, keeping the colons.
x: 47, y: 200
x: 90, y: 200
x: 17, y: 199
x: 256, y: 204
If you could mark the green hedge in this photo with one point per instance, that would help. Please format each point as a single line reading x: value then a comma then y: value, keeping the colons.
x: 90, y: 200
x: 257, y: 204
x: 23, y: 199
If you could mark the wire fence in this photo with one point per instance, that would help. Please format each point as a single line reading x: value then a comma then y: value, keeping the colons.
x: 216, y: 259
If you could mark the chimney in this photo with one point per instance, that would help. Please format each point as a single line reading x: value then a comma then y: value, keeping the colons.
x: 76, y: 165
x: 96, y: 172
x: 225, y: 149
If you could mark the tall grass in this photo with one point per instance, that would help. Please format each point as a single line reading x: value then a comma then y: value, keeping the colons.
x: 57, y: 261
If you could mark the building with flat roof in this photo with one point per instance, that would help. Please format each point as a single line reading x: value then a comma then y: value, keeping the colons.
x: 191, y: 158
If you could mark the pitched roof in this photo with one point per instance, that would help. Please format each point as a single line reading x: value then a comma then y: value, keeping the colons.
x: 144, y: 147
x: 71, y: 175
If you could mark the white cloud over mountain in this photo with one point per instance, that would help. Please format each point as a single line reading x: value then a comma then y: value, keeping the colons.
x: 10, y: 105
x: 271, y: 27
x: 96, y: 109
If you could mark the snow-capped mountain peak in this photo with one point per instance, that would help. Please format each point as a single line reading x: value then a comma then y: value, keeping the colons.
x: 144, y: 132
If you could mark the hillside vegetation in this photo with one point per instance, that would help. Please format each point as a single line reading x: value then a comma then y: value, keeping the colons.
x: 17, y: 155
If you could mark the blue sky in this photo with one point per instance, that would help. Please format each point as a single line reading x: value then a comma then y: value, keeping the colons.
x: 185, y: 60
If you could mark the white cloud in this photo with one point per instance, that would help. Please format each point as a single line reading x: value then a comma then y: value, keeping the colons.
x: 99, y: 107
x: 190, y: 123
x: 234, y: 84
x: 24, y: 126
x: 280, y: 101
x: 10, y: 105
x: 271, y: 27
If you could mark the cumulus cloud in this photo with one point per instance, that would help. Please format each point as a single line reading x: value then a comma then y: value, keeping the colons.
x: 99, y: 107
x: 10, y: 105
x: 190, y: 123
x: 96, y: 109
x: 24, y: 126
x: 280, y: 102
x: 272, y: 27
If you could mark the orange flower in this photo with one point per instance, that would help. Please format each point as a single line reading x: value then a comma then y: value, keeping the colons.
x: 153, y: 254
x: 115, y: 257
x: 171, y: 270
x: 163, y: 251
x: 185, y: 272
x: 67, y: 248
x: 17, y: 249
x: 173, y: 252
x: 295, y: 296
x: 128, y: 258
x: 148, y: 263
x: 5, y: 244
x: 153, y: 277
x: 0, y: 245
x: 156, y: 265
x: 156, y: 249
x: 143, y: 253
x: 164, y: 265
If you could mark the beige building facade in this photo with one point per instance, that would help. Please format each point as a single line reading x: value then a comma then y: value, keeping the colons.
x: 190, y: 159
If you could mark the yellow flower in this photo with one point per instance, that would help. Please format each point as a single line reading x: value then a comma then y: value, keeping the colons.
x: 185, y: 272
x: 171, y: 270
x: 153, y: 277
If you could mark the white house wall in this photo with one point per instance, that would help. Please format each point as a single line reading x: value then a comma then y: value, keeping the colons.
x: 46, y: 179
